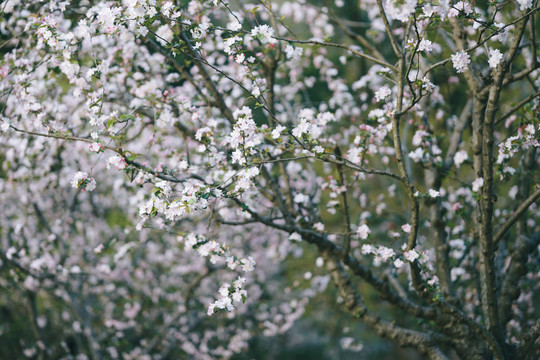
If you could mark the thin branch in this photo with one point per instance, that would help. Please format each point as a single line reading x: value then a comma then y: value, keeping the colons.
x: 488, y: 276
x: 347, y: 244
x: 270, y: 161
x: 517, y: 107
x: 520, y: 75
x: 340, y: 46
x: 529, y: 339
x: 353, y: 166
x: 284, y: 205
x: 481, y: 43
x: 523, y: 247
x: 162, y: 175
x: 357, y: 37
x: 220, y: 102
x: 455, y: 139
x: 61, y: 137
x: 519, y: 211
x: 405, y: 337
x: 180, y: 69
x: 357, y: 268
x: 388, y: 30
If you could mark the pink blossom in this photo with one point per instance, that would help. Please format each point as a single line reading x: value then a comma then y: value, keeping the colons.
x: 96, y: 147
x: 406, y: 228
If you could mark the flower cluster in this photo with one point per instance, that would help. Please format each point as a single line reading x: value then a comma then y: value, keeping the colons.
x: 495, y: 57
x: 193, y: 197
x: 311, y: 124
x: 293, y: 52
x: 384, y: 254
x: 117, y: 161
x: 82, y: 181
x: 230, y: 295
x: 461, y: 61
x: 264, y: 33
x: 96, y: 147
x: 244, y: 137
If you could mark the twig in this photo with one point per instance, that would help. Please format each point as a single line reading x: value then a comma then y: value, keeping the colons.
x: 516, y: 215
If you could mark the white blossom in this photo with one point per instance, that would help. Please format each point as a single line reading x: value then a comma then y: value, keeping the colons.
x: 234, y: 25
x: 525, y: 4
x: 164, y: 35
x: 367, y: 249
x: 477, y: 184
x: 417, y: 155
x: 411, y: 255
x: 513, y: 192
x: 276, y: 133
x: 81, y: 180
x: 240, y: 58
x: 117, y: 161
x: 293, y: 52
x: 495, y: 57
x: 461, y: 61
x: 400, y: 10
x: 264, y: 33
x: 385, y: 253
x: 460, y: 157
x: 295, y: 237
x: 363, y: 231
x: 425, y: 45
x: 382, y: 93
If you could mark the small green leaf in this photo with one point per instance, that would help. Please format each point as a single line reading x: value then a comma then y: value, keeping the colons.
x: 110, y: 123
x: 126, y: 117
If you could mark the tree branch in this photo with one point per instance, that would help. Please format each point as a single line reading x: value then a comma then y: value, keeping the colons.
x: 516, y: 215
x: 517, y: 107
x: 488, y: 283
x: 529, y: 339
x: 388, y: 30
x: 352, y: 301
x: 517, y: 268
x: 340, y: 46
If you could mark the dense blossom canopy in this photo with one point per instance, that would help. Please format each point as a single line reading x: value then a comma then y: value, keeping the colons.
x: 165, y: 163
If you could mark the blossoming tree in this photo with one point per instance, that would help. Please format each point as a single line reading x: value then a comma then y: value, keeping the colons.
x: 163, y: 161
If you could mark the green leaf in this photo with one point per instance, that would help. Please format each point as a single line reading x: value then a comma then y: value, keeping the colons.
x: 110, y: 123
x: 126, y: 117
x: 199, y: 244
